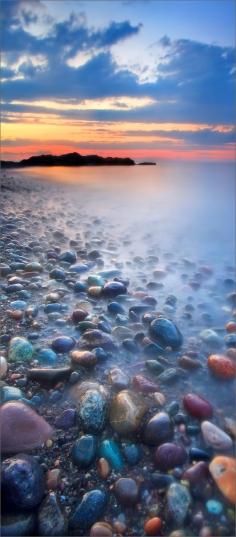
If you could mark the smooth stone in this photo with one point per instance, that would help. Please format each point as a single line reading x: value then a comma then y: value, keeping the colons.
x: 214, y: 507
x: 68, y: 256
x: 84, y: 450
x: 210, y: 338
x: 10, y: 393
x: 95, y: 338
x: 18, y: 305
x: 132, y: 453
x: 22, y: 429
x: 118, y: 379
x: 49, y: 376
x: 103, y: 468
x: 93, y: 411
x: 158, y: 429
x: 3, y: 367
x: 197, y: 406
x: 101, y: 529
x: 89, y: 510
x: 152, y: 350
x: 79, y: 315
x: 80, y: 287
x: 53, y: 307
x: 223, y: 471
x: 57, y: 274
x: 126, y: 491
x: 144, y: 385
x: 153, y: 526
x: 78, y: 269
x: 66, y: 420
x: 34, y: 266
x: 109, y: 450
x: 83, y: 326
x: 122, y: 332
x: 166, y: 333
x: 178, y: 502
x: 114, y: 308
x: 222, y: 366
x: 22, y: 482
x: 154, y: 366
x: 20, y: 349
x: 95, y: 280
x: 14, y: 525
x: 83, y: 358
x: 170, y: 455
x: 51, y: 521
x: 47, y: 356
x: 197, y: 454
x: 196, y: 473
x: 63, y: 344
x: 113, y: 288
x: 170, y: 375
x: 126, y: 412
x: 161, y: 481
x: 214, y: 436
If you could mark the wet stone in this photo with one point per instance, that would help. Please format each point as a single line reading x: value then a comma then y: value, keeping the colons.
x: 63, y: 344
x: 49, y: 376
x: 170, y: 455
x: 23, y: 524
x: 95, y: 338
x: 10, y: 393
x: 132, y: 453
x: 83, y: 358
x: 214, y: 437
x: 92, y: 411
x: 197, y: 406
x: 3, y: 367
x: 51, y: 520
x: 20, y: 349
x: 166, y: 333
x: 110, y: 451
x: 126, y: 491
x: 66, y: 420
x: 158, y: 429
x: 126, y: 412
x: 22, y: 482
x: 118, y: 379
x: 89, y: 510
x: 178, y: 503
x: 84, y: 451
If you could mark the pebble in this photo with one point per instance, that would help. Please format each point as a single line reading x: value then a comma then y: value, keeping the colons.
x: 132, y: 453
x: 166, y: 333
x: 78, y: 315
x: 22, y: 482
x: 95, y: 338
x: 210, y: 338
x: 103, y: 468
x: 47, y: 357
x: 144, y: 385
x: 112, y: 289
x: 22, y: 429
x: 158, y: 429
x: 214, y: 436
x: 126, y: 412
x: 214, y: 507
x: 196, y: 473
x: 63, y: 344
x: 10, y: 393
x: 197, y: 406
x: 126, y: 491
x: 66, y: 420
x: 101, y: 529
x: 118, y: 379
x: 178, y: 502
x: 3, y: 367
x: 222, y: 366
x: 51, y: 520
x: 223, y: 471
x: 89, y: 510
x: 48, y: 376
x: 53, y: 479
x: 93, y: 411
x: 170, y: 455
x: 84, y: 450
x: 110, y: 451
x: 23, y: 524
x: 20, y: 349
x: 83, y: 358
x: 153, y: 526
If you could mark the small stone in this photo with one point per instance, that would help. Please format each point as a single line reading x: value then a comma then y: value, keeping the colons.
x: 22, y: 429
x: 153, y: 526
x: 10, y: 393
x: 66, y: 420
x: 144, y: 385
x: 53, y: 479
x: 118, y: 379
x: 188, y: 363
x: 22, y: 482
x: 101, y: 529
x: 126, y: 491
x: 223, y: 471
x: 83, y: 358
x: 103, y: 468
x: 63, y: 344
x: 113, y: 288
x: 84, y: 450
x: 214, y: 436
x: 89, y: 510
x: 3, y: 367
x: 178, y: 501
x: 166, y: 333
x: 214, y: 507
x: 132, y: 453
x: 222, y: 366
x: 93, y: 411
x: 48, y: 376
x: 20, y: 349
x: 158, y: 429
x: 210, y: 338
x: 51, y: 521
x: 109, y: 450
x: 95, y: 338
x: 126, y: 412
x: 196, y: 473
x: 170, y: 455
x: 79, y: 315
x: 197, y: 406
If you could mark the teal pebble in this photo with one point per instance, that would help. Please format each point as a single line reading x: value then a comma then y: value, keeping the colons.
x: 110, y: 451
x: 20, y: 349
x: 10, y: 393
x: 47, y: 356
x: 214, y: 507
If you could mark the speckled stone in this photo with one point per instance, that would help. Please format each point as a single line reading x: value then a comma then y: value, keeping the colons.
x: 126, y: 412
x: 51, y: 520
x: 22, y: 482
x: 178, y: 503
x: 214, y: 436
x: 89, y: 510
x: 20, y: 350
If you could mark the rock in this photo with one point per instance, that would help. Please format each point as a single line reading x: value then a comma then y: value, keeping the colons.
x: 63, y: 344
x: 169, y: 376
x: 53, y: 479
x: 113, y: 288
x: 166, y: 333
x: 178, y: 502
x: 197, y: 406
x: 161, y: 481
x: 101, y: 529
x: 196, y: 473
x: 169, y: 456
x: 93, y: 411
x: 109, y: 450
x: 68, y: 256
x: 103, y: 468
x: 122, y: 332
x: 20, y: 350
x: 14, y: 525
x: 22, y: 429
x: 89, y: 510
x: 214, y: 507
x: 95, y: 338
x: 153, y: 526
x: 118, y: 379
x: 223, y: 471
x: 214, y: 436
x: 126, y: 491
x: 47, y: 357
x: 158, y: 429
x: 51, y: 521
x: 132, y: 453
x: 210, y: 338
x: 83, y: 358
x: 197, y: 454
x: 84, y: 450
x: 126, y: 412
x: 144, y: 385
x: 3, y: 367
x: 79, y: 315
x: 114, y: 308
x: 154, y: 366
x: 49, y: 376
x: 10, y: 393
x: 222, y: 366
x: 66, y: 420
x: 189, y: 363
x: 22, y: 482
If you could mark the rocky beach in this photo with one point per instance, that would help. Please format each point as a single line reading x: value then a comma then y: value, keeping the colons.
x: 117, y: 357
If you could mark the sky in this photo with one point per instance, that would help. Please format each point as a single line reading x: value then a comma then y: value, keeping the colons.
x: 148, y: 79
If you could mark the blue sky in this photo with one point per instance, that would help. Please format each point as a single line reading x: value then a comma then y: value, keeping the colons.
x: 152, y: 76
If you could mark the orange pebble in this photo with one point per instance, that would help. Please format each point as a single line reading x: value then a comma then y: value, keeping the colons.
x: 231, y: 326
x: 153, y: 526
x: 222, y: 366
x: 223, y: 471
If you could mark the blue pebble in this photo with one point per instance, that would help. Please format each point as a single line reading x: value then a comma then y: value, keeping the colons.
x: 63, y: 344
x: 52, y: 307
x: 47, y: 356
x: 57, y: 274
x: 115, y: 307
x: 110, y: 451
x: 89, y: 510
x: 69, y: 257
x: 14, y: 288
x: 100, y: 353
x: 214, y: 507
x: 25, y: 294
x: 132, y: 453
x: 80, y: 287
x: 18, y: 305
x: 10, y: 393
x: 79, y: 268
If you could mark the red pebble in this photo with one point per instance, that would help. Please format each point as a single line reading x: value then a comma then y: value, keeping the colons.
x: 222, y: 366
x: 144, y: 385
x: 197, y: 406
x: 153, y: 526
